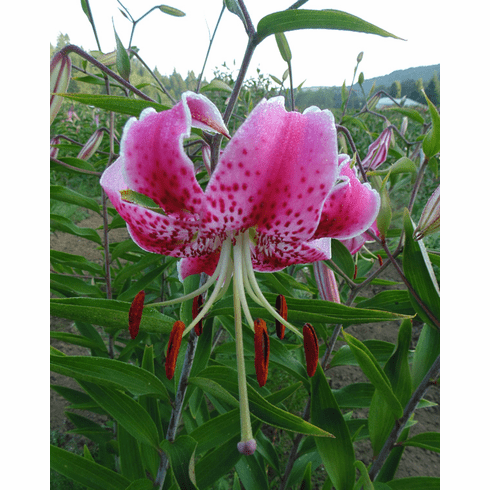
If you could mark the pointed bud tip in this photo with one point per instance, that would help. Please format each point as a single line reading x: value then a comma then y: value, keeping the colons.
x: 247, y: 447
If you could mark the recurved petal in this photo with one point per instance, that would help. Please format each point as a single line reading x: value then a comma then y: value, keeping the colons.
x: 205, y: 115
x: 272, y: 255
x: 155, y: 163
x: 195, y: 265
x: 350, y: 208
x: 275, y: 172
x: 355, y: 244
x: 173, y: 235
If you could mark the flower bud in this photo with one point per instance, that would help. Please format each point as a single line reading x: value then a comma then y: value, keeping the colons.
x: 377, y: 151
x: 325, y: 279
x: 404, y: 126
x: 54, y: 151
x: 359, y: 56
x: 91, y: 145
x: 430, y: 221
x: 60, y: 72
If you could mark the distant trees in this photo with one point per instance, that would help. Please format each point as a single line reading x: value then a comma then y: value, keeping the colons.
x: 396, y: 89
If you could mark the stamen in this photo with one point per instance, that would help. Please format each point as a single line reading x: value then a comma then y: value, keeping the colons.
x: 222, y: 275
x: 380, y: 260
x: 196, y: 308
x: 239, y: 274
x: 262, y: 350
x: 135, y: 313
x: 310, y: 342
x: 282, y: 309
x: 173, y: 348
x: 255, y: 289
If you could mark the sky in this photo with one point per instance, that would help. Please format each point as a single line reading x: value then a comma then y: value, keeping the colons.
x: 319, y: 57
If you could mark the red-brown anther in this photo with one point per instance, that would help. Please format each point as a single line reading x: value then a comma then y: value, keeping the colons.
x: 262, y: 349
x: 196, y: 308
x: 310, y: 341
x: 135, y: 312
x: 173, y: 348
x: 355, y: 271
x: 282, y: 309
x: 380, y: 260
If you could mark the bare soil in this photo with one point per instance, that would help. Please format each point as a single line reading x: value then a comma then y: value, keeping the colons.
x: 415, y: 461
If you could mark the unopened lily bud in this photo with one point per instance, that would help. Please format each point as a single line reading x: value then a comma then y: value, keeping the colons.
x: 325, y: 279
x: 359, y: 56
x: 91, y: 145
x: 404, y: 126
x: 54, y: 151
x: 430, y: 221
x: 206, y: 157
x: 60, y: 72
x: 377, y: 151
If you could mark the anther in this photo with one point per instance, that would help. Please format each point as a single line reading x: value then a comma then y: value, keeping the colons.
x: 196, y: 308
x: 311, y: 348
x: 282, y: 309
x: 355, y: 271
x: 173, y: 348
x: 380, y: 260
x: 262, y: 350
x: 135, y: 313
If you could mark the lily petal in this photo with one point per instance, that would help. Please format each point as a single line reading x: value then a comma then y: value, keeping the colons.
x: 350, y: 208
x: 275, y: 172
x: 205, y: 114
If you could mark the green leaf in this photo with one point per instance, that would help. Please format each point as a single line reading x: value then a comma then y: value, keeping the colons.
x: 123, y: 64
x: 141, y: 484
x: 126, y: 411
x: 109, y: 313
x: 306, y: 481
x: 338, y: 453
x: 372, y: 370
x: 214, y: 389
x: 342, y: 258
x: 290, y: 20
x: 171, y: 11
x: 426, y: 352
x: 366, y: 481
x: 61, y: 193
x: 425, y: 440
x: 401, y: 166
x: 78, y: 286
x: 282, y: 44
x: 431, y: 144
x: 397, y: 371
x: 75, y: 339
x: 75, y: 261
x: 76, y: 163
x: 415, y: 483
x: 355, y: 395
x: 86, y: 472
x: 60, y: 223
x: 110, y: 373
x: 181, y: 454
x: 418, y: 270
x: 397, y: 301
x: 312, y: 311
x: 252, y: 473
x: 410, y: 113
x: 121, y: 105
x: 234, y: 8
x: 259, y: 406
x: 216, y: 85
x: 380, y: 350
x: 142, y: 283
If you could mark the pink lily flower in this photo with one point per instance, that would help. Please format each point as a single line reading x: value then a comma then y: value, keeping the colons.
x: 277, y: 196
x: 378, y: 151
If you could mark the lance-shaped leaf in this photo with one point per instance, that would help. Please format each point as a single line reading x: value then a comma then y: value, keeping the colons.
x: 62, y: 193
x: 86, y: 472
x: 375, y: 374
x: 123, y: 64
x: 398, y: 372
x: 109, y: 313
x: 111, y: 373
x: 114, y: 103
x: 432, y: 144
x: 283, y: 45
x: 291, y: 20
x: 337, y: 454
x: 125, y: 410
x: 61, y: 223
x: 181, y: 454
x: 418, y: 270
